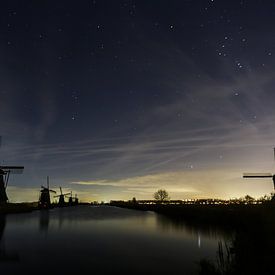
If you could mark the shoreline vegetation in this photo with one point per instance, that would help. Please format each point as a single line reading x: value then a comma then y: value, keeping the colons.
x: 16, y: 208
x: 227, y: 214
x: 200, y: 210
x: 25, y: 207
x: 251, y: 247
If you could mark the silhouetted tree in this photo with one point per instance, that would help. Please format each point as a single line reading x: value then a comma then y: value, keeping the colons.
x: 134, y: 200
x: 161, y: 195
x: 249, y: 199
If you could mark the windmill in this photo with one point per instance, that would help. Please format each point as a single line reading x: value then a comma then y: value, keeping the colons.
x: 261, y: 175
x: 62, y: 196
x: 75, y: 199
x: 71, y: 198
x: 45, y: 198
x: 5, y: 172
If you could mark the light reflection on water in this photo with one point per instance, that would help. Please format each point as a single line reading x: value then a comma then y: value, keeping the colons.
x: 102, y: 240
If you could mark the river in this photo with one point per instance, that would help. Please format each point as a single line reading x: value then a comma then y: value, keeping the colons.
x: 102, y: 240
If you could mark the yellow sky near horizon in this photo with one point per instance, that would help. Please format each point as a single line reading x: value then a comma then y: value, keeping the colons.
x: 180, y: 185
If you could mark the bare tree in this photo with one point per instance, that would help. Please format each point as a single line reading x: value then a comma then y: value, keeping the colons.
x: 161, y: 195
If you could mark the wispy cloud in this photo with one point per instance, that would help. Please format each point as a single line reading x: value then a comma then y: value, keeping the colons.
x: 221, y: 183
x: 205, y: 124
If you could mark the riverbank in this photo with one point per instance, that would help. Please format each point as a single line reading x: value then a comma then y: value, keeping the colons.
x: 15, y: 208
x: 238, y: 215
x: 251, y: 248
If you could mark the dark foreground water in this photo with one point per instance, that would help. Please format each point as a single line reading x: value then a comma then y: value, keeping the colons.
x: 101, y: 240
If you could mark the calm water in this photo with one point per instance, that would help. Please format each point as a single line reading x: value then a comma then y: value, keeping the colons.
x: 101, y: 240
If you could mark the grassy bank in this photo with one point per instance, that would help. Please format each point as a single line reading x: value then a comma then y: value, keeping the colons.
x: 13, y: 208
x: 226, y: 215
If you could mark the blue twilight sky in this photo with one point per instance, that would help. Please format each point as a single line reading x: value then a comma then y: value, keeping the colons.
x: 115, y: 99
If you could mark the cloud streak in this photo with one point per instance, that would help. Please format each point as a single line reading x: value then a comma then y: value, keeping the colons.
x: 200, y: 123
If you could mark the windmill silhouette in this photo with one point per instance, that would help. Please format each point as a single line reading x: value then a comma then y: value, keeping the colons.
x: 261, y: 175
x: 45, y: 197
x: 71, y: 198
x: 5, y: 172
x: 62, y: 196
x: 76, y: 201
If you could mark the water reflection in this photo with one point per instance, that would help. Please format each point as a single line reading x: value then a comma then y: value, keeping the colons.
x: 193, y: 228
x: 105, y: 240
x: 44, y: 220
x: 4, y: 255
x: 250, y: 250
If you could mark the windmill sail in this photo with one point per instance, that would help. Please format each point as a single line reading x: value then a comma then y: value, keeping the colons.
x: 262, y: 175
x: 12, y: 169
x: 257, y: 175
x: 62, y: 196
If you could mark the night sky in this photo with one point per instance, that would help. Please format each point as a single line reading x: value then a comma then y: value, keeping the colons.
x: 116, y: 99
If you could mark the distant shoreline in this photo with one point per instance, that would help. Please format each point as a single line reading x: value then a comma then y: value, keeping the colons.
x: 17, y: 208
x: 225, y: 215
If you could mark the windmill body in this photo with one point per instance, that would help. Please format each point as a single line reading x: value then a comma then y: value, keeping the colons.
x: 3, y: 194
x: 5, y: 172
x: 71, y: 199
x: 76, y: 201
x: 61, y: 200
x: 45, y: 197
